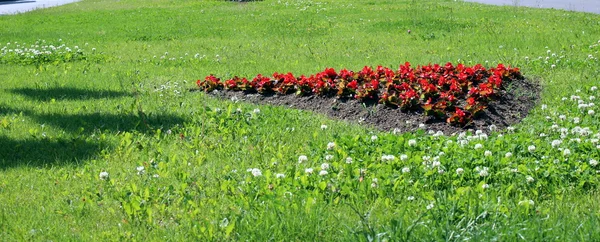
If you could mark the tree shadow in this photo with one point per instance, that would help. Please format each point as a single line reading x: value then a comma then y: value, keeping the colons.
x: 89, y: 123
x: 67, y: 93
x: 45, y: 152
x: 6, y: 110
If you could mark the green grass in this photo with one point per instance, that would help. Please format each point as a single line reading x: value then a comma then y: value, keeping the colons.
x: 64, y: 121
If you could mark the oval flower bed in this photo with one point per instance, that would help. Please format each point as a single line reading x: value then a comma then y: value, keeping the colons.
x: 456, y: 94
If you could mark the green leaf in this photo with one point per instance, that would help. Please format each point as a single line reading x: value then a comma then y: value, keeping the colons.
x: 229, y: 228
x: 323, y: 185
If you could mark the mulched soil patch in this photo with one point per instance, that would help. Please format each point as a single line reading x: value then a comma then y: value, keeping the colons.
x: 517, y: 100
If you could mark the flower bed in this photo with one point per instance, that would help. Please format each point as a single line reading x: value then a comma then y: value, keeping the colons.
x: 455, y: 93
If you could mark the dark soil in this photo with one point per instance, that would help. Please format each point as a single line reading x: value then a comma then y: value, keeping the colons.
x: 518, y: 98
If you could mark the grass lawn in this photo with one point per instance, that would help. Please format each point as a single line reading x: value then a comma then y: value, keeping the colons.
x: 101, y: 139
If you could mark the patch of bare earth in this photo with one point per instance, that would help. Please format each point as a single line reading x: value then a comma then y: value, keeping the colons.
x: 517, y: 99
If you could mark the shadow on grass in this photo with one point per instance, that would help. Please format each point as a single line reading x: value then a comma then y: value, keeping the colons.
x: 66, y: 93
x: 6, y: 110
x: 42, y: 152
x: 88, y: 123
x: 45, y: 152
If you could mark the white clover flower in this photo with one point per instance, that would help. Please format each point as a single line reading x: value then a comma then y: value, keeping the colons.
x: 531, y: 148
x: 530, y: 179
x: 405, y: 170
x: 487, y: 153
x: 309, y: 170
x: 103, y: 175
x: 403, y: 157
x: 484, y: 172
x: 256, y: 110
x: 140, y: 170
x: 323, y: 173
x: 478, y: 132
x: 374, y: 138
x: 566, y: 152
x: 410, y: 198
x: 526, y: 202
x: 562, y: 117
x: 330, y: 145
x: 542, y: 135
x: 576, y: 120
x: 485, y: 186
x: 582, y: 106
x: 483, y: 136
x: 388, y: 158
x: 556, y: 143
x: 349, y: 160
x: 478, y: 146
x: 324, y: 166
x: 460, y: 171
x: 593, y: 162
x: 323, y: 126
x: 430, y: 206
x: 594, y: 88
x: 592, y: 97
x: 302, y: 158
x: 591, y: 112
x: 256, y: 172
x: 544, y: 106
x: 373, y: 185
x: 412, y: 142
x: 510, y: 128
x: 436, y: 164
x: 492, y: 127
x: 328, y: 157
x: 515, y: 170
x: 280, y: 175
x: 553, y: 66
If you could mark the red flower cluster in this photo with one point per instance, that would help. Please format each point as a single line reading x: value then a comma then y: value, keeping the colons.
x: 456, y: 93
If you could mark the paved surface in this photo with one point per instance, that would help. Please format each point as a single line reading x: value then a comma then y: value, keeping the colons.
x: 19, y: 6
x: 591, y: 6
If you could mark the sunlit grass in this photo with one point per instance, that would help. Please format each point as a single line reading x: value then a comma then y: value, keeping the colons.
x: 63, y: 123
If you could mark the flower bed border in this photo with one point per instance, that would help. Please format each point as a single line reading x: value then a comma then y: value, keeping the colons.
x: 456, y: 94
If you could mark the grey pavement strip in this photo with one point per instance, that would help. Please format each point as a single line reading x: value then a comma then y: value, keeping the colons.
x: 591, y: 6
x: 20, y: 6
